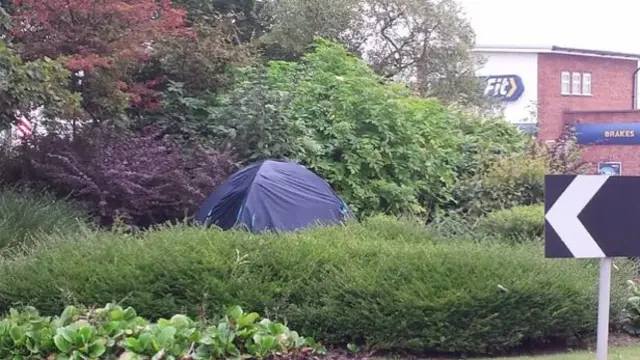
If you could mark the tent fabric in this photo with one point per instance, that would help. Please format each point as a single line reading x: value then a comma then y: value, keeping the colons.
x: 273, y: 195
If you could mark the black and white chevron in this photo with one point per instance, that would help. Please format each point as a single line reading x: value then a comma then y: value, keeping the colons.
x: 592, y: 216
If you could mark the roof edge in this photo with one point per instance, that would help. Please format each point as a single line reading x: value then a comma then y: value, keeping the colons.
x: 554, y: 49
x: 511, y: 48
x: 595, y: 52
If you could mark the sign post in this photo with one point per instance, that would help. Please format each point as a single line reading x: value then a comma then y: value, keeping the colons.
x: 604, y: 299
x: 592, y: 216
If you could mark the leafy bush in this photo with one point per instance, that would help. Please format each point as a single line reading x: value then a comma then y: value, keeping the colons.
x: 145, y: 178
x: 25, y: 216
x: 382, y: 148
x: 114, y: 332
x: 343, y: 284
x: 484, y: 139
x: 519, y: 223
x: 252, y: 117
x: 510, y: 180
x: 631, y: 311
x: 513, y: 179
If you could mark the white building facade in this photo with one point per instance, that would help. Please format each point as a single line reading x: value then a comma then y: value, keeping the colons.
x: 513, y: 78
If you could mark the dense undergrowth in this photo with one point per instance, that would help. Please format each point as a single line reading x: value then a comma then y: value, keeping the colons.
x: 383, y: 283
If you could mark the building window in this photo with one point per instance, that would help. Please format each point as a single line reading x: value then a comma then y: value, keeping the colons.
x: 565, y: 88
x: 576, y: 88
x: 586, y: 84
x: 575, y: 83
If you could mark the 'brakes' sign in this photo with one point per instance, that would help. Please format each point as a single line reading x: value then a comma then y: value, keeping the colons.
x: 504, y: 87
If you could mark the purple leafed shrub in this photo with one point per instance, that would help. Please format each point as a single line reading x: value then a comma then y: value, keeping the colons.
x: 143, y: 178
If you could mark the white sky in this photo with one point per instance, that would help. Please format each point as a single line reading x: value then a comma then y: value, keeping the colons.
x: 597, y: 24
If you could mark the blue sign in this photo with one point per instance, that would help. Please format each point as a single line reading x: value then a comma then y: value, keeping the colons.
x: 504, y: 87
x: 608, y: 134
x: 610, y: 168
x: 529, y: 128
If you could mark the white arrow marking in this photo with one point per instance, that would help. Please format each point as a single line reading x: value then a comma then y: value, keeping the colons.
x: 563, y: 216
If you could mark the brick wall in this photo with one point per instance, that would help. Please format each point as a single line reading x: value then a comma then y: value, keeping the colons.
x: 611, y: 88
x: 629, y: 155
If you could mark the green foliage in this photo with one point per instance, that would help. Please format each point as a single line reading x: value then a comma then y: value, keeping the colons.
x: 26, y: 85
x: 345, y: 284
x: 25, y: 216
x: 201, y: 64
x: 251, y: 117
x: 294, y: 23
x: 517, y: 178
x: 520, y: 223
x: 114, y: 332
x: 511, y: 180
x: 248, y: 15
x: 484, y: 138
x: 631, y: 312
x: 382, y: 148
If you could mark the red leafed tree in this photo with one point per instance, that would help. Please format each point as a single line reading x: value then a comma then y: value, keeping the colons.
x: 103, y: 38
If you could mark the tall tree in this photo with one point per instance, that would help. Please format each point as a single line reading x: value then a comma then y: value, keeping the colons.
x: 248, y: 15
x: 295, y: 23
x: 424, y: 42
x: 427, y: 43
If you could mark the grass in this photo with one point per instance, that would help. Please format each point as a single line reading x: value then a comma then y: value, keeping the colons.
x: 25, y: 216
x: 620, y: 353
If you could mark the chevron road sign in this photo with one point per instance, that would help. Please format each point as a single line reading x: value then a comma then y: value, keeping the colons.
x: 593, y: 216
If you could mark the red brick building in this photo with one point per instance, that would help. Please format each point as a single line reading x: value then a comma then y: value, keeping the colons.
x: 594, y: 90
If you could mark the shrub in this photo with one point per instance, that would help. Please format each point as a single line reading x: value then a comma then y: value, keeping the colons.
x: 25, y: 216
x: 484, y: 138
x: 340, y: 284
x: 513, y: 179
x: 631, y: 313
x: 454, y: 225
x: 373, y: 142
x: 519, y: 223
x: 144, y: 178
x: 382, y: 148
x: 251, y: 117
x: 510, y: 180
x: 385, y: 227
x: 114, y: 332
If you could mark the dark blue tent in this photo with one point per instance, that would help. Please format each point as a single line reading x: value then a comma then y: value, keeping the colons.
x: 273, y: 195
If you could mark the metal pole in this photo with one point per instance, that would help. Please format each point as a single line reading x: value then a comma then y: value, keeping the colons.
x: 604, y: 295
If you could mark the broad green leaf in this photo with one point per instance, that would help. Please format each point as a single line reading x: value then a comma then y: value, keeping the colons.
x: 248, y: 319
x: 17, y: 334
x: 96, y: 350
x: 235, y: 312
x: 61, y: 343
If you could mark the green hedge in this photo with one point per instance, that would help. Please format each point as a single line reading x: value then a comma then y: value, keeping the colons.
x: 516, y: 224
x: 25, y: 216
x: 338, y: 285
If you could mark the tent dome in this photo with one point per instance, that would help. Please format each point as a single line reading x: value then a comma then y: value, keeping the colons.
x: 273, y: 195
